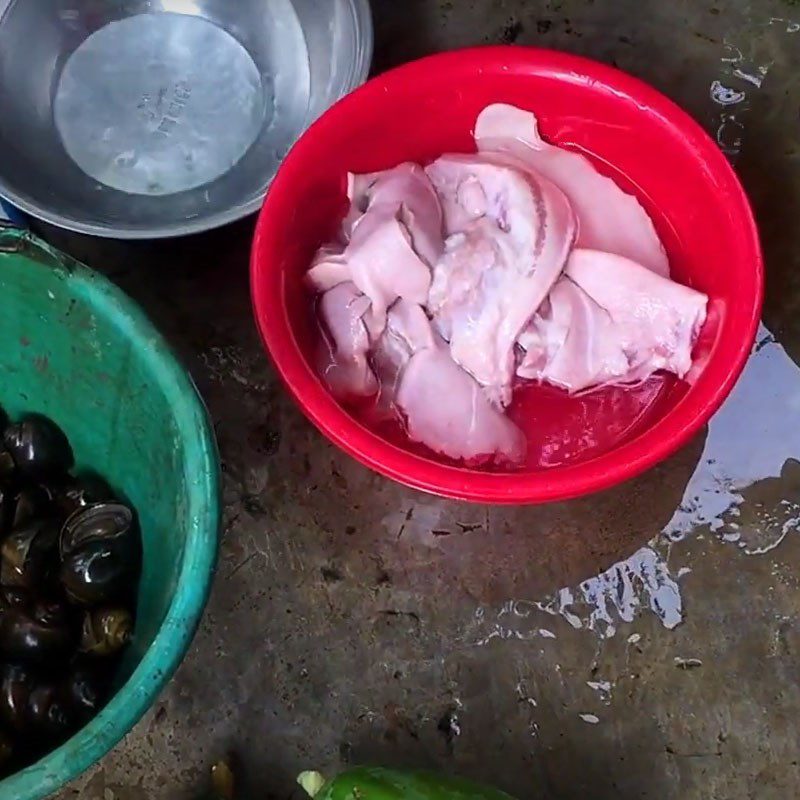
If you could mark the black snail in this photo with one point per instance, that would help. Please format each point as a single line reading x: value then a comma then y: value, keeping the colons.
x: 70, y: 562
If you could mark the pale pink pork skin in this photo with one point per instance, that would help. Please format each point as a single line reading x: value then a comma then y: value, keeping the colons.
x: 394, y: 234
x: 509, y: 234
x: 345, y: 342
x: 450, y: 282
x: 407, y: 192
x: 443, y: 407
x: 611, y: 321
x: 575, y: 342
x: 609, y: 219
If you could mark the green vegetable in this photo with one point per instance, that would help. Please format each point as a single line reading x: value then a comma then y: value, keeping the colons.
x: 371, y: 783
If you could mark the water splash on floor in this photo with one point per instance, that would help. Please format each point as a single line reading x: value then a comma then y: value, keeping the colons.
x: 641, y: 583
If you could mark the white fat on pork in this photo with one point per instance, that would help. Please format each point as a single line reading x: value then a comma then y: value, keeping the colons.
x: 610, y: 320
x: 394, y: 236
x: 609, y: 219
x: 509, y: 235
x: 343, y: 362
x: 442, y: 406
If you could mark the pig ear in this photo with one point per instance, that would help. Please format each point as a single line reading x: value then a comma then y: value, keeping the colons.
x: 502, y: 121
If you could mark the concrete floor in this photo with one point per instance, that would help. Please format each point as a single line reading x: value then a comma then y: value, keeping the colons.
x: 640, y: 644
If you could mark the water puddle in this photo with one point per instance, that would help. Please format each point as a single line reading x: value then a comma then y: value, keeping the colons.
x: 742, y: 491
x: 753, y: 438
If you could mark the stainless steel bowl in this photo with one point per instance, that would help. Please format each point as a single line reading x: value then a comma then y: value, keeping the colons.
x: 151, y: 118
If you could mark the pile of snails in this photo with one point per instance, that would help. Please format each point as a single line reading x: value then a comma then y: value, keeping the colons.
x: 70, y: 562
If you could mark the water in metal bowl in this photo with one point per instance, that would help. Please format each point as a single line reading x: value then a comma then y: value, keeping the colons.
x: 148, y: 118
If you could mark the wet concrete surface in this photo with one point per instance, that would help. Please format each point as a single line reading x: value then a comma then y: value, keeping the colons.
x: 643, y: 643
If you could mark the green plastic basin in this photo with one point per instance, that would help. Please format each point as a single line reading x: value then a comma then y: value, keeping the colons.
x: 75, y: 348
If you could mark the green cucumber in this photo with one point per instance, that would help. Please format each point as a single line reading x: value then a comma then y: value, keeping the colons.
x: 374, y: 783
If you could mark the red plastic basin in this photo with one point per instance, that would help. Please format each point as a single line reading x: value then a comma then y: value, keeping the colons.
x: 631, y: 132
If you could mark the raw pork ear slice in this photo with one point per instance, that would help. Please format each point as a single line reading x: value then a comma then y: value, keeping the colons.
x: 510, y: 233
x: 394, y: 236
x: 609, y: 219
x: 405, y: 192
x: 342, y: 359
x: 611, y: 321
x: 441, y: 405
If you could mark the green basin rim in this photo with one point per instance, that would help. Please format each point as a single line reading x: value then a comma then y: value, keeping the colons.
x: 199, y: 552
